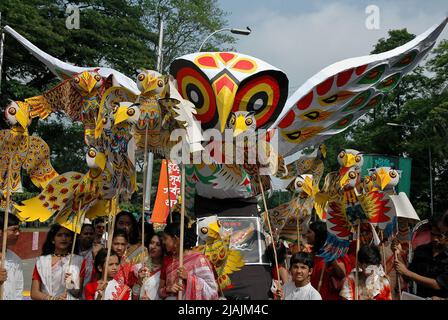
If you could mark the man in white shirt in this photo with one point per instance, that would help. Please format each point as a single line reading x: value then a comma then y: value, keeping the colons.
x: 299, y: 288
x: 11, y: 276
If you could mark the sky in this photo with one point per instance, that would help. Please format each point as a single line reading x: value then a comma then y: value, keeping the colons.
x: 303, y: 37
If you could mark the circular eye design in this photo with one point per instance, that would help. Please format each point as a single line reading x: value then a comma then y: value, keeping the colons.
x: 393, y: 174
x: 115, y: 108
x: 12, y: 111
x: 232, y: 119
x: 97, y: 77
x: 160, y: 83
x: 374, y: 177
x: 299, y: 184
x: 263, y: 96
x: 219, y: 223
x: 104, y: 120
x: 140, y: 77
x: 204, y: 230
x: 352, y: 175
x: 367, y: 179
x: 342, y: 154
x: 196, y: 88
x: 92, y: 153
x: 130, y: 112
x: 249, y: 121
x: 76, y: 79
x: 358, y: 158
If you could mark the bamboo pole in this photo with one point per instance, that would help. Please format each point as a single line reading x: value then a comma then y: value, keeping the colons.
x: 356, y: 261
x: 398, y: 276
x: 5, y: 221
x: 269, y: 226
x: 182, y: 224
x: 145, y: 176
x: 321, y: 277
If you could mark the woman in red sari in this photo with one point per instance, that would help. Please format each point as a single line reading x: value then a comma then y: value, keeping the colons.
x: 195, y: 278
x: 327, y: 278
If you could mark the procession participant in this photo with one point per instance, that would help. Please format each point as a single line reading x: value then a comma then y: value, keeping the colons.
x: 326, y: 277
x: 300, y: 288
x: 120, y: 242
x: 149, y: 275
x: 135, y: 253
x: 198, y: 279
x: 125, y: 273
x: 87, y: 250
x: 111, y: 289
x: 281, y: 258
x: 53, y: 278
x: 429, y: 266
x: 373, y: 283
x: 11, y: 277
x: 100, y: 232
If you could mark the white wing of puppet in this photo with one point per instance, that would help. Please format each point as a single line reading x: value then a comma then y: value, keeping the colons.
x: 330, y: 101
x: 66, y: 70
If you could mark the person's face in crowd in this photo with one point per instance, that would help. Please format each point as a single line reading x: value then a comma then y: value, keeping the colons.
x: 99, y: 229
x: 366, y: 234
x: 125, y: 223
x: 170, y: 243
x: 12, y: 234
x: 300, y: 273
x: 310, y: 236
x: 155, y: 248
x: 119, y: 245
x: 63, y: 240
x: 87, y: 236
x: 112, y: 267
x: 439, y: 239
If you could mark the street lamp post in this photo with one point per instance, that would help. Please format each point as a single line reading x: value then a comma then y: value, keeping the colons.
x: 232, y: 30
x: 429, y: 158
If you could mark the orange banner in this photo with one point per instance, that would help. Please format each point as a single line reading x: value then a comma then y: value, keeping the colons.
x: 161, y: 207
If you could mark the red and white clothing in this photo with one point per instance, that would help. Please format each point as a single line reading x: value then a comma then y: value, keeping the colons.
x: 375, y: 287
x: 114, y: 291
x: 87, y: 272
x: 52, y: 276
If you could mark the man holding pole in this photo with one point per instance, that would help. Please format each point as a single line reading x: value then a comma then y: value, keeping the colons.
x: 11, y: 275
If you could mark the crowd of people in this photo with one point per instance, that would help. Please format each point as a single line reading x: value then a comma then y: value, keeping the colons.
x: 132, y: 269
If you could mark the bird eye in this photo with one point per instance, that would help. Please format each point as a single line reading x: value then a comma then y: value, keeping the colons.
x: 249, y: 121
x: 115, y: 109
x: 392, y: 174
x: 232, y: 119
x: 160, y: 83
x: 76, y: 80
x: 352, y: 175
x: 374, y: 177
x: 131, y: 112
x: 97, y: 77
x: 358, y: 158
x: 342, y: 154
x: 92, y: 153
x: 104, y: 120
x: 12, y: 111
x: 140, y: 77
x: 299, y: 184
x: 204, y: 230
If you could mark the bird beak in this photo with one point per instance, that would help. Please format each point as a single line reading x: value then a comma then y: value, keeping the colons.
x: 215, y: 228
x: 89, y: 81
x: 383, y: 177
x: 225, y: 91
x: 150, y: 85
x: 240, y: 125
x: 100, y: 160
x: 121, y: 115
x: 349, y: 160
x: 309, y: 187
x: 22, y: 116
x: 344, y: 180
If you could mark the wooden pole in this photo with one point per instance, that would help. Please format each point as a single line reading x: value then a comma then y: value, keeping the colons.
x: 6, y: 218
x: 321, y: 277
x: 182, y: 224
x: 356, y: 261
x: 145, y: 175
x: 398, y: 276
x: 269, y: 226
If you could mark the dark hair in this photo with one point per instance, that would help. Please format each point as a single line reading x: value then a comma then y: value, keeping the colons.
x: 160, y: 236
x: 12, y: 220
x: 100, y: 260
x: 436, y: 219
x: 369, y: 254
x: 173, y: 230
x: 98, y: 220
x: 48, y: 246
x: 133, y: 236
x: 281, y: 252
x: 445, y: 219
x: 149, y: 232
x: 85, y: 225
x: 320, y: 234
x: 302, y: 257
x: 120, y: 233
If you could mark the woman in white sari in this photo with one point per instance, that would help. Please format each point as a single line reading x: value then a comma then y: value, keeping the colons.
x: 56, y: 274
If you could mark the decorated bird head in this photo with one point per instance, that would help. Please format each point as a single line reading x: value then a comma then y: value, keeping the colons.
x: 209, y: 228
x: 242, y: 122
x: 350, y: 158
x: 126, y: 112
x: 219, y: 83
x: 304, y: 185
x: 150, y: 82
x: 87, y: 82
x: 350, y: 179
x: 95, y: 159
x: 385, y: 177
x: 18, y: 114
